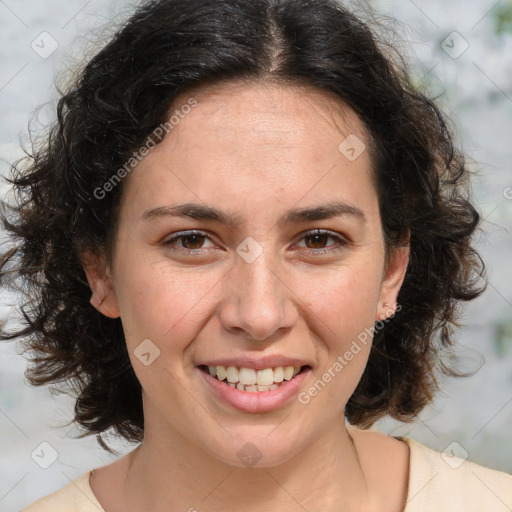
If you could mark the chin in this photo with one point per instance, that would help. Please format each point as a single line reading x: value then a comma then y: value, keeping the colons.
x: 256, y: 449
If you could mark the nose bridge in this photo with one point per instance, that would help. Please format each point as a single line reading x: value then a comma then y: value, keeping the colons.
x: 258, y: 302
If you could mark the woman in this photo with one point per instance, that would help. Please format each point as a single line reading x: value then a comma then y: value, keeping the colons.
x: 248, y: 236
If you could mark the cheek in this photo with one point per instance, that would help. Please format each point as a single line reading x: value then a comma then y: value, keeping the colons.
x: 345, y: 311
x: 346, y: 302
x: 161, y: 304
x: 345, y: 308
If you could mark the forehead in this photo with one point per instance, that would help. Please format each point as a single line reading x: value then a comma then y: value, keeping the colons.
x: 265, y: 113
x: 249, y: 140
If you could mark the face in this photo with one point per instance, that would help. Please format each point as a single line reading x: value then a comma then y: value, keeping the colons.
x: 247, y: 278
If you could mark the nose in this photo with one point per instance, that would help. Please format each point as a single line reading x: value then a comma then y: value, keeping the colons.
x: 259, y: 302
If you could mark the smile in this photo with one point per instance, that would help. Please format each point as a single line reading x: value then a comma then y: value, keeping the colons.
x: 251, y: 390
x: 250, y: 380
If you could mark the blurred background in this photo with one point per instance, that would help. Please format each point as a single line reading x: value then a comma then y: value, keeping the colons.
x: 461, y: 52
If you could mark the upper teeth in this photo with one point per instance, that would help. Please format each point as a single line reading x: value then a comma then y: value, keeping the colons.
x: 249, y: 376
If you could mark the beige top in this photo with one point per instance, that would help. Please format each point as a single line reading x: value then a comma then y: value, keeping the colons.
x: 437, y: 483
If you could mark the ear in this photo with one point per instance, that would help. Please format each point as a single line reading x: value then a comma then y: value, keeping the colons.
x: 393, y: 280
x: 98, y: 274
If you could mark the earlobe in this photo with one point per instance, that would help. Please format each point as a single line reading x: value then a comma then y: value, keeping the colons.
x: 393, y: 280
x: 103, y: 296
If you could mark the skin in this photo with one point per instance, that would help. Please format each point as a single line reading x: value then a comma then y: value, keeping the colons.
x: 255, y: 151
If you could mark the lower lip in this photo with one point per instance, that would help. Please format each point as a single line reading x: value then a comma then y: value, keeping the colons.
x: 259, y: 401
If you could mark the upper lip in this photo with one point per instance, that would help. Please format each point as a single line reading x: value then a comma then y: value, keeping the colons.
x: 270, y: 361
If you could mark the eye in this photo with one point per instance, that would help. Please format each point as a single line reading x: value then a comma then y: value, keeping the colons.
x: 319, y: 237
x: 189, y: 241
x: 192, y: 242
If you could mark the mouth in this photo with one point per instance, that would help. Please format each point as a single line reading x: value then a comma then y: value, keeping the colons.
x: 251, y: 380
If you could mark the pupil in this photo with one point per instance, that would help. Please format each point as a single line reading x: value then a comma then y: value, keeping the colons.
x: 316, y: 237
x: 188, y: 237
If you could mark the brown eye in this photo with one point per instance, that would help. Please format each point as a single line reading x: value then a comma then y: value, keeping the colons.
x: 318, y: 239
x: 316, y: 242
x: 190, y: 241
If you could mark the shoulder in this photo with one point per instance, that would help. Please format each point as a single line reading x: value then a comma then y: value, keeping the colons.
x: 430, y: 480
x: 443, y: 481
x: 77, y: 496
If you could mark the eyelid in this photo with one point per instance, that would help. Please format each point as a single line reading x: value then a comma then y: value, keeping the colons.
x: 320, y: 231
x: 187, y: 233
x: 341, y: 240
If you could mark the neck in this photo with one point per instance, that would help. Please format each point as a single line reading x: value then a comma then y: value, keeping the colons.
x: 168, y: 470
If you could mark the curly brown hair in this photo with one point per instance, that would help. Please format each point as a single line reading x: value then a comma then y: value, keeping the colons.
x: 125, y: 91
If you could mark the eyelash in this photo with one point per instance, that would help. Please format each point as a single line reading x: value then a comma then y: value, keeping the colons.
x: 341, y: 241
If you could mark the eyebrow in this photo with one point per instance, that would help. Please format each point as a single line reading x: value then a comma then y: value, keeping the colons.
x: 294, y: 216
